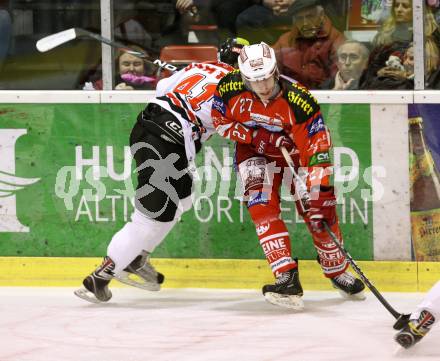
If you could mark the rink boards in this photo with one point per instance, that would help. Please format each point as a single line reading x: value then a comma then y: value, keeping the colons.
x: 63, y: 148
x: 391, y: 276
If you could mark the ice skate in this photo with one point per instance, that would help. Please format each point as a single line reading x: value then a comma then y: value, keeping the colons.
x: 286, y: 292
x: 415, y: 330
x: 95, y: 288
x: 349, y: 286
x: 147, y: 277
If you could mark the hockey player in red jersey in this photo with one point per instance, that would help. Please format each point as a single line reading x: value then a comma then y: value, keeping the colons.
x: 262, y: 111
x: 164, y: 141
x: 422, y: 319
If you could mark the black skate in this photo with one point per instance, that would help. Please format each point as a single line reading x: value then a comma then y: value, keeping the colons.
x: 415, y: 330
x: 286, y: 292
x: 96, y: 285
x: 147, y: 277
x: 349, y: 286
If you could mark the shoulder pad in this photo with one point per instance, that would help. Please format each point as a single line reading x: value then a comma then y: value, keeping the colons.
x: 301, y: 101
x: 230, y: 85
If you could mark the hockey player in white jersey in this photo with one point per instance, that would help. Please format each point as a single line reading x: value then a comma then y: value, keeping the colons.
x: 422, y: 319
x: 164, y: 141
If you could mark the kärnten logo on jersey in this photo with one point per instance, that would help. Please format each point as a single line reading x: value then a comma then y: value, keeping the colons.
x: 10, y: 184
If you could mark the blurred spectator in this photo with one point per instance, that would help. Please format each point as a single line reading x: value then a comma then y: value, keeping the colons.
x: 391, y: 67
x: 394, y: 39
x: 226, y: 12
x: 307, y: 53
x: 133, y: 73
x: 200, y: 21
x: 131, y: 31
x: 187, y: 13
x: 184, y: 6
x: 260, y: 21
x: 352, y: 61
x: 432, y: 42
x: 337, y: 11
x: 432, y: 52
x: 5, y: 34
x: 408, y: 62
x: 396, y: 68
x: 398, y: 26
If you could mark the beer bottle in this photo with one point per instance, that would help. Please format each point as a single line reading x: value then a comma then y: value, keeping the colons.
x: 425, y: 193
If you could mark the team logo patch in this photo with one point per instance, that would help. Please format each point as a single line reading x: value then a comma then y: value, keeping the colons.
x: 217, y: 104
x: 319, y: 158
x: 263, y: 228
x: 174, y: 127
x: 317, y: 125
x: 256, y: 63
x: 257, y: 198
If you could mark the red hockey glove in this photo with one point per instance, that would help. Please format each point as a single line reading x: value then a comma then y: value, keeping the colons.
x: 268, y: 142
x: 322, y: 208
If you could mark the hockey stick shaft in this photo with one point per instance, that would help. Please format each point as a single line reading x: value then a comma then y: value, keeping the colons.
x: 54, y: 40
x: 303, y: 189
x: 362, y: 276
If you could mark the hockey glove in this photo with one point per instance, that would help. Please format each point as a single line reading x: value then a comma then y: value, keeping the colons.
x: 268, y: 142
x: 322, y: 207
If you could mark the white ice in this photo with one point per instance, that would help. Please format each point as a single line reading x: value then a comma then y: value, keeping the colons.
x: 45, y: 324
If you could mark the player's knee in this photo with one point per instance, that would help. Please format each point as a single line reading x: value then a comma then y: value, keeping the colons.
x: 261, y: 213
x: 154, y: 230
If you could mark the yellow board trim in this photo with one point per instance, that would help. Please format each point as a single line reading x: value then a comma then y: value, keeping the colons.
x: 214, y: 273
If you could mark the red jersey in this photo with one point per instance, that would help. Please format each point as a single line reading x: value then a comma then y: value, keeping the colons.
x: 236, y: 112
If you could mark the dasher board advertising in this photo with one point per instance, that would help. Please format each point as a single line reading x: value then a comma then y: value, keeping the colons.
x: 424, y: 155
x: 67, y: 185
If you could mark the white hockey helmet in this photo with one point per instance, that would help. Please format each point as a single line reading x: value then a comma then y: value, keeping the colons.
x: 257, y: 62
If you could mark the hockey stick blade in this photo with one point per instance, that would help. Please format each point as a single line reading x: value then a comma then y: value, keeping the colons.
x: 52, y: 41
x: 401, y: 321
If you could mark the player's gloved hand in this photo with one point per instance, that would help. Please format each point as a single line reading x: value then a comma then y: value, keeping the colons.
x: 322, y: 207
x: 268, y: 142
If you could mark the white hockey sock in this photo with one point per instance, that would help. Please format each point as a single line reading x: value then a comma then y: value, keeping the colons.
x: 141, y: 233
x: 431, y: 303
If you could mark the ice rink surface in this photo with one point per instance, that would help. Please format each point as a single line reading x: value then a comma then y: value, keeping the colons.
x: 45, y: 324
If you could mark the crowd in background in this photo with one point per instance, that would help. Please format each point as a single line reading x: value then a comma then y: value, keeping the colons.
x: 316, y: 42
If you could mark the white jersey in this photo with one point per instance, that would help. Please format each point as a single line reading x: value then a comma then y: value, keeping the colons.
x: 188, y: 95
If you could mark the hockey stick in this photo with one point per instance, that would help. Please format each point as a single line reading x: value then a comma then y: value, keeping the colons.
x: 401, y: 319
x: 52, y: 41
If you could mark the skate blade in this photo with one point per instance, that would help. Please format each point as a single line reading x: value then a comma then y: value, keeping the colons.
x: 286, y: 301
x: 86, y: 295
x: 360, y: 296
x: 124, y: 277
